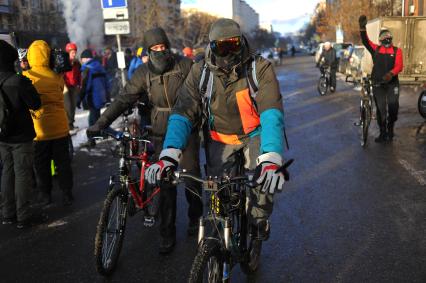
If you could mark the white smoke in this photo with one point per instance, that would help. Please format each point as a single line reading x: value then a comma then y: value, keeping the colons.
x: 84, y: 22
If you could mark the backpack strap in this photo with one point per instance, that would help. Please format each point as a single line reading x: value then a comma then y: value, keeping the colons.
x: 148, y: 82
x: 205, y: 76
x: 252, y: 78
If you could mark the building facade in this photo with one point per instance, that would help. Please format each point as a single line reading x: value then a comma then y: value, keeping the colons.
x: 31, y: 20
x: 237, y: 10
x: 414, y: 8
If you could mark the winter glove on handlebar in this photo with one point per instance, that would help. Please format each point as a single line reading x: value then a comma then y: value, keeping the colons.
x: 362, y: 22
x: 169, y: 161
x: 94, y: 131
x: 266, y: 173
x: 388, y: 77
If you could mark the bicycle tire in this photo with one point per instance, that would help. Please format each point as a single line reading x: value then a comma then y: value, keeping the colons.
x: 421, y: 105
x: 322, y: 86
x: 364, y: 129
x: 209, y: 249
x: 107, y: 268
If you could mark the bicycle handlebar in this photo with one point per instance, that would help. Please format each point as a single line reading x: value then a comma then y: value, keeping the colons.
x: 121, y: 136
x: 181, y: 175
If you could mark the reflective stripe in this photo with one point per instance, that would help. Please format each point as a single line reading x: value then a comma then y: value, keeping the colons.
x: 248, y: 114
x: 226, y: 139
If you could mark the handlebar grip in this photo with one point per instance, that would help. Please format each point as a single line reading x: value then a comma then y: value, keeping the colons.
x: 283, y: 169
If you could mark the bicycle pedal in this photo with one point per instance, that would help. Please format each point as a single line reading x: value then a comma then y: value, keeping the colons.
x: 149, y: 221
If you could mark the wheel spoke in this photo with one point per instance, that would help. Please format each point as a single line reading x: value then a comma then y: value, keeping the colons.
x: 112, y: 230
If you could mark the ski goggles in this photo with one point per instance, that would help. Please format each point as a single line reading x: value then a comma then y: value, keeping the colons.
x: 226, y: 46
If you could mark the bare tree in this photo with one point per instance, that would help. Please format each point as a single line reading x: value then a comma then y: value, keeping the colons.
x: 194, y: 29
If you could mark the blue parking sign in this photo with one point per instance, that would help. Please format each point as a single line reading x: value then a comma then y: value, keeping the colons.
x: 106, y: 4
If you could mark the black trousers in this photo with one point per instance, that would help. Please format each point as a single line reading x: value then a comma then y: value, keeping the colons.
x: 58, y: 151
x: 387, y: 104
x: 333, y: 77
x: 17, y: 180
x: 191, y: 162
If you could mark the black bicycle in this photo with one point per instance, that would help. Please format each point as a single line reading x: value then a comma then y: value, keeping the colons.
x: 421, y: 104
x: 365, y: 108
x: 324, y: 80
x: 224, y: 238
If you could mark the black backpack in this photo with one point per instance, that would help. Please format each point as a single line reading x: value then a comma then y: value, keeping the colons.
x: 4, y: 109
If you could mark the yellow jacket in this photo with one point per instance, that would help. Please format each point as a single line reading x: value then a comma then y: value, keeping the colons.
x: 50, y: 122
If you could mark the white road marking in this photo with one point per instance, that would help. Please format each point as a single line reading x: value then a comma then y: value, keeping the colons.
x: 417, y: 174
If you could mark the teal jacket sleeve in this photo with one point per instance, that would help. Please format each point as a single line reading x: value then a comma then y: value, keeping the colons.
x: 272, y: 131
x: 178, y: 131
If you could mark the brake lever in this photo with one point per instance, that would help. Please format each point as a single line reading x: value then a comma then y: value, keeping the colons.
x: 284, y: 171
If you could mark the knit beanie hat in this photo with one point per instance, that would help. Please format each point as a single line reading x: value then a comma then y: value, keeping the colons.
x: 155, y: 36
x: 87, y: 53
x: 8, y: 56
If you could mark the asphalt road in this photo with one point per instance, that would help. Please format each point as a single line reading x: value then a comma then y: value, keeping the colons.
x: 348, y: 215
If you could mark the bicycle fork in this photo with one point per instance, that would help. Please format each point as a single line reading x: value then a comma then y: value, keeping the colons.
x: 227, y: 232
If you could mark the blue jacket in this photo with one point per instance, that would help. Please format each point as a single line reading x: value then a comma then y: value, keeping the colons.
x: 94, y: 93
x: 134, y: 64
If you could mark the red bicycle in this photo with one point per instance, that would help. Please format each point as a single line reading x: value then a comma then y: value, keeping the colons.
x: 126, y: 196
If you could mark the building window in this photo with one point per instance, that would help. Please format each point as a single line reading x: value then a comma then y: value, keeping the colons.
x: 35, y: 4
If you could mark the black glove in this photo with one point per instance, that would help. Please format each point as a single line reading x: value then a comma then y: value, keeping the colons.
x: 94, y: 131
x: 388, y: 77
x: 78, y: 105
x: 362, y: 22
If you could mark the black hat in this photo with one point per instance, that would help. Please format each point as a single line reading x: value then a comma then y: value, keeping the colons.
x: 224, y: 28
x: 155, y: 36
x: 8, y: 56
x: 87, y: 53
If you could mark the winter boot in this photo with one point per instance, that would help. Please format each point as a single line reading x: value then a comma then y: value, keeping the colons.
x: 390, y: 133
x: 382, y: 136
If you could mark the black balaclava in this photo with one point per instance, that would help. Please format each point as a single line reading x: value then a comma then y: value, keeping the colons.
x: 385, y: 38
x: 8, y: 57
x: 159, y: 61
x: 223, y: 29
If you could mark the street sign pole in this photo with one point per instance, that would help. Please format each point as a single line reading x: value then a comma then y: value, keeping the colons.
x: 116, y: 17
x: 123, y: 77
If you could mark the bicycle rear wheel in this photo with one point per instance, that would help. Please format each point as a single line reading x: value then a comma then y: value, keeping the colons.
x: 422, y: 104
x: 364, y: 126
x: 110, y: 231
x: 322, y: 86
x: 208, y: 263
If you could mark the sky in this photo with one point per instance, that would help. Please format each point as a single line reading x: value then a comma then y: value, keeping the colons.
x: 284, y: 15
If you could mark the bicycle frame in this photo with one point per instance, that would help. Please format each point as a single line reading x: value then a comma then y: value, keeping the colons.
x: 125, y: 142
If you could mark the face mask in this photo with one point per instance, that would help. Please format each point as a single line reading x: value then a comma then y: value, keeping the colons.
x: 227, y: 62
x: 387, y: 42
x: 160, y: 61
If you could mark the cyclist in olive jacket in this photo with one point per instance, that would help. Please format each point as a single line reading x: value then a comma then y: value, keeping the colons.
x: 158, y: 82
x: 236, y: 118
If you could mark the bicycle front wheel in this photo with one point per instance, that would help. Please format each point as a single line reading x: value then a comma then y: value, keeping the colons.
x: 208, y: 263
x: 322, y: 86
x: 422, y: 104
x: 110, y: 231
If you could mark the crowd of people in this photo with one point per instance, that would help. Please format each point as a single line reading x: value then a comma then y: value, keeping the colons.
x: 38, y: 105
x: 228, y: 86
